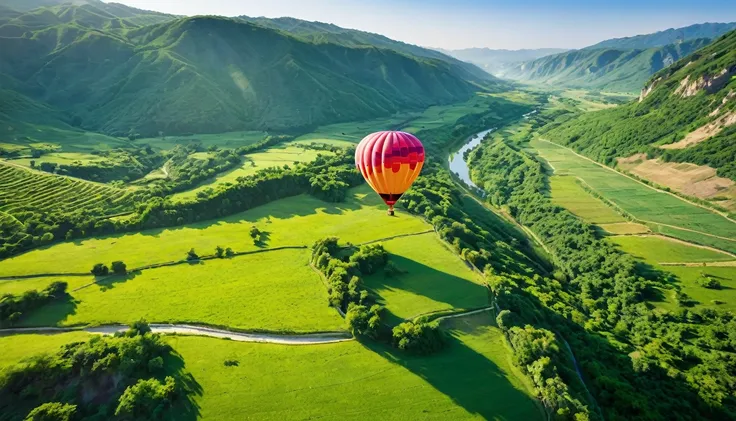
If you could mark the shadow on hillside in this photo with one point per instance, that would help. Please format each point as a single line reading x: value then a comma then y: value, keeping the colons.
x: 467, y: 377
x: 428, y: 282
x: 185, y: 407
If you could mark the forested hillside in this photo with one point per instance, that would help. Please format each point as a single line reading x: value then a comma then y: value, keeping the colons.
x: 148, y: 79
x: 686, y: 113
x: 668, y: 36
x: 611, y: 69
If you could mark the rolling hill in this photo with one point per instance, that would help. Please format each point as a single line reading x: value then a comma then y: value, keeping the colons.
x: 496, y: 62
x: 685, y: 114
x: 611, y: 69
x: 148, y: 78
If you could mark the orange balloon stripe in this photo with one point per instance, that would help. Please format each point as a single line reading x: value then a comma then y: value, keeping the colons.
x: 390, y: 162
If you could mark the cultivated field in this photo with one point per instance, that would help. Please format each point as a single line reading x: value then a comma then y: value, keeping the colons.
x: 222, y: 140
x: 642, y: 202
x: 664, y: 250
x: 625, y: 228
x: 22, y: 190
x: 435, y: 279
x: 568, y: 194
x: 272, y: 291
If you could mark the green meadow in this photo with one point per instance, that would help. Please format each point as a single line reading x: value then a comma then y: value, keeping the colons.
x: 435, y: 279
x: 656, y: 250
x: 641, y: 201
x: 295, y: 221
x: 568, y: 194
x: 223, y: 140
x: 272, y: 291
x: 663, y: 250
x: 471, y: 379
x: 17, y: 348
x: 273, y: 157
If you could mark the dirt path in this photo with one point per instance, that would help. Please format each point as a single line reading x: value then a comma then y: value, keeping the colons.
x: 193, y: 330
x: 724, y: 215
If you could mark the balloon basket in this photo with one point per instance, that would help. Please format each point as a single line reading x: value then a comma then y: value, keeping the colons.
x: 390, y: 212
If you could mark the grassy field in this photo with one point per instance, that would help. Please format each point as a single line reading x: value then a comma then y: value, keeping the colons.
x: 273, y: 157
x: 223, y: 140
x: 16, y: 348
x: 624, y: 228
x: 435, y: 279
x: 294, y: 221
x: 22, y: 189
x: 568, y: 194
x: 272, y: 291
x: 472, y: 379
x: 641, y: 201
x: 62, y: 158
x: 24, y: 136
x: 663, y: 250
x: 345, y: 134
x: 653, y: 250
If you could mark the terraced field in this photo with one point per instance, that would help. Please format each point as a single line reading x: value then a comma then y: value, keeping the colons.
x: 23, y: 190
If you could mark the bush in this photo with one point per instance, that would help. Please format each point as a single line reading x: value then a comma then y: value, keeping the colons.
x: 192, y: 255
x: 219, y: 252
x: 418, y: 337
x: 119, y: 268
x: 363, y: 321
x: 52, y: 411
x: 706, y: 281
x: 147, y: 398
x: 100, y: 269
x: 229, y: 252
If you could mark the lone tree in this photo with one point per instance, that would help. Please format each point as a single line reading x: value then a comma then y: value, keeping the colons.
x: 119, y: 268
x: 192, y: 255
x: 255, y: 234
x: 229, y: 252
x: 219, y: 252
x: 100, y: 269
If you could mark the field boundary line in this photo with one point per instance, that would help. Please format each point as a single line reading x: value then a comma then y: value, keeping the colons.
x: 198, y: 330
x: 395, y: 236
x: 717, y: 212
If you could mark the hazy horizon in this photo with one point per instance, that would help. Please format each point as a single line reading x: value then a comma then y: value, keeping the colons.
x: 463, y: 24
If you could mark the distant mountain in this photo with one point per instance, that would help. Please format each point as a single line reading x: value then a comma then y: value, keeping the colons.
x: 101, y: 67
x: 497, y: 61
x: 610, y: 69
x: 320, y: 33
x: 669, y: 36
x: 686, y: 113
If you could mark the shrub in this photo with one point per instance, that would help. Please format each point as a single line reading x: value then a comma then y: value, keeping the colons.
x: 229, y: 252
x: 119, y: 268
x: 147, y: 398
x: 100, y: 269
x: 707, y: 282
x: 363, y: 321
x: 418, y: 337
x: 219, y: 252
x: 192, y: 255
x: 52, y: 411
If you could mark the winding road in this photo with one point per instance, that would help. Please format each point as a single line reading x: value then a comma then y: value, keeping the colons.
x: 183, y: 329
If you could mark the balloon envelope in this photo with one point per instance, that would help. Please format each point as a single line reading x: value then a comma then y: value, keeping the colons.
x: 390, y: 162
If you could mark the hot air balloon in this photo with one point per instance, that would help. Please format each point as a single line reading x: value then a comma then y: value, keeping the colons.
x: 390, y: 162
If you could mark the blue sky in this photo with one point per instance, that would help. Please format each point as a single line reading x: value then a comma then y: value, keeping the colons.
x: 475, y: 23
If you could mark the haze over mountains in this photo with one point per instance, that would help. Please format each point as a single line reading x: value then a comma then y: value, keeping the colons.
x: 621, y: 64
x: 497, y: 61
x: 240, y: 75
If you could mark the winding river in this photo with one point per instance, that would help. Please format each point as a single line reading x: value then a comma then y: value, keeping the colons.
x: 458, y: 164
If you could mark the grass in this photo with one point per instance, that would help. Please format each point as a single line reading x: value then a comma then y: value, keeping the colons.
x: 471, y: 379
x: 294, y: 221
x: 223, y: 140
x: 653, y: 250
x: 24, y: 136
x: 663, y: 250
x: 435, y: 279
x: 273, y: 157
x: 568, y: 194
x: 273, y: 291
x: 63, y: 158
x: 345, y: 134
x: 641, y: 201
x: 17, y: 348
x: 624, y: 228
